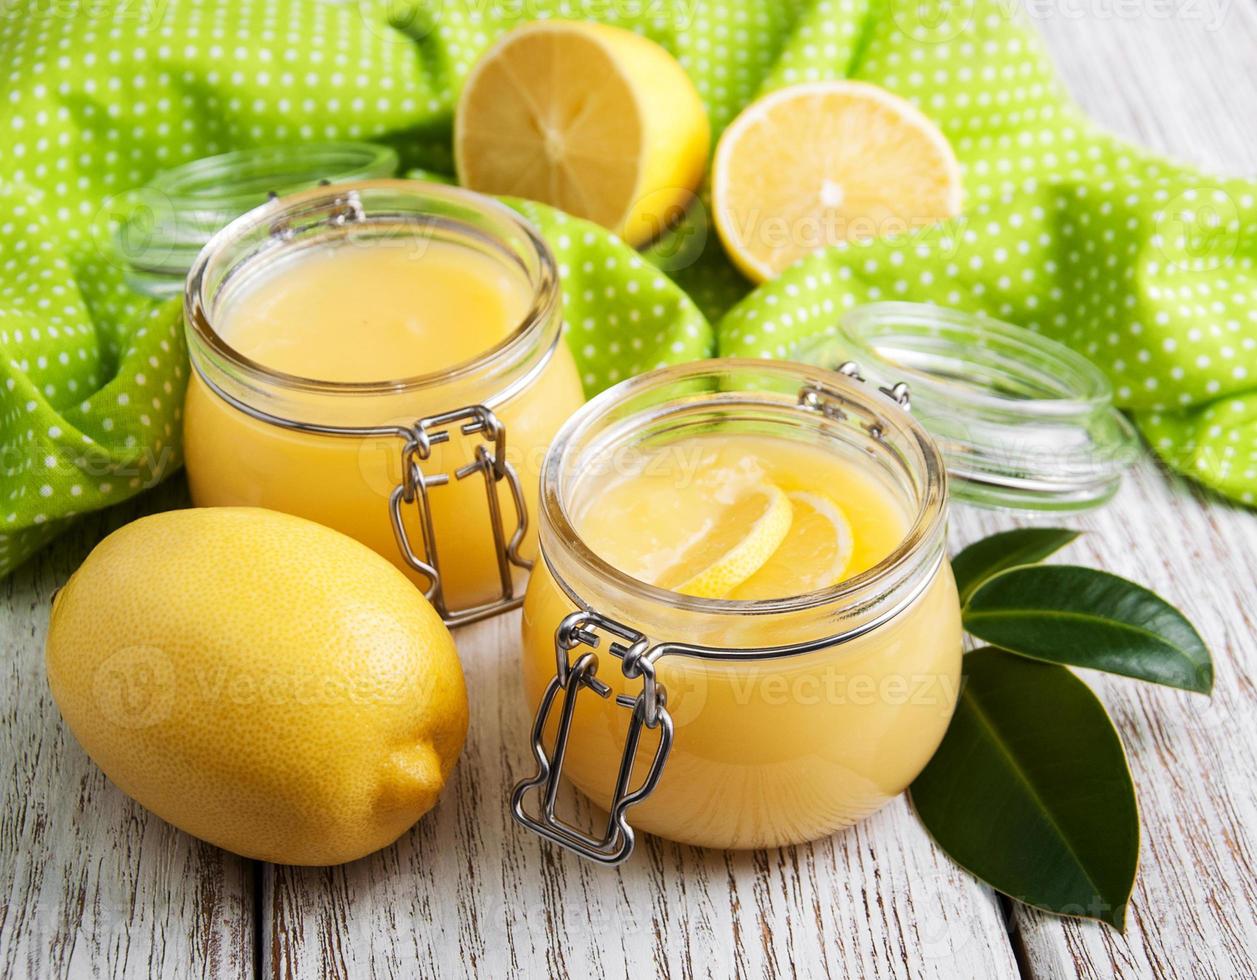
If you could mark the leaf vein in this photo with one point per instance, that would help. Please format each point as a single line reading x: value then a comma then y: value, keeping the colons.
x: 1085, y: 617
x: 1021, y: 776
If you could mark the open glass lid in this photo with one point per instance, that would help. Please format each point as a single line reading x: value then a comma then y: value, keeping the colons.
x: 1023, y: 421
x: 165, y: 223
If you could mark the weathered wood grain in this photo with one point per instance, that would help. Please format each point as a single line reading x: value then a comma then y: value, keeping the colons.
x: 879, y: 900
x: 91, y: 883
x: 466, y: 893
x: 1176, y: 76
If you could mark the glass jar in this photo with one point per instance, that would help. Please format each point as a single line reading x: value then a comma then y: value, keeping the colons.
x: 1023, y: 422
x: 436, y: 471
x: 724, y: 723
x: 165, y: 224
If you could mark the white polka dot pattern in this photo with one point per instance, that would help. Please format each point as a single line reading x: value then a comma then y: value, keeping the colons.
x: 1143, y: 265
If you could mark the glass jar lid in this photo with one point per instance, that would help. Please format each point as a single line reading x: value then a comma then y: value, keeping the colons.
x: 166, y: 223
x: 1022, y: 421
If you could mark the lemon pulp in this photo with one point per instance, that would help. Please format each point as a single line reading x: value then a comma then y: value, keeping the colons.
x: 595, y: 120
x: 817, y: 164
x: 767, y: 750
x: 745, y: 537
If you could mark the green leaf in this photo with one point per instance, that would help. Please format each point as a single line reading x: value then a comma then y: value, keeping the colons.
x: 1030, y: 790
x: 1000, y: 552
x: 1070, y: 615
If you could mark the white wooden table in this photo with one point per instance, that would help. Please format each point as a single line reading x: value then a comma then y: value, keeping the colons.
x: 93, y: 885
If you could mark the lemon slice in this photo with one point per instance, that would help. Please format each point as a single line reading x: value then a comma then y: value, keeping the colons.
x: 746, y: 535
x: 814, y: 555
x: 594, y: 120
x: 816, y: 164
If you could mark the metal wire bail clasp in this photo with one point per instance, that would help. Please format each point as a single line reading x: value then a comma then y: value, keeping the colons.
x: 491, y: 463
x: 820, y: 398
x: 649, y: 710
x: 829, y: 402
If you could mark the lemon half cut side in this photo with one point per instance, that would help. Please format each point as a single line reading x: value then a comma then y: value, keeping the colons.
x: 816, y: 164
x: 594, y: 120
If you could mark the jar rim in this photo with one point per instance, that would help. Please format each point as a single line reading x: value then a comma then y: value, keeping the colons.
x: 926, y: 526
x: 1080, y: 386
x: 228, y: 180
x: 307, y: 203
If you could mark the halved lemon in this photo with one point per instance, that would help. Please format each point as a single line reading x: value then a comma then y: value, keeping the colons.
x: 815, y: 554
x: 749, y: 531
x: 816, y: 164
x: 595, y: 120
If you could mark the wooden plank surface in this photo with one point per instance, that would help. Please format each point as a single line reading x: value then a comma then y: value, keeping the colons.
x: 1177, y: 76
x: 467, y: 893
x: 880, y: 900
x: 94, y: 886
x: 92, y: 883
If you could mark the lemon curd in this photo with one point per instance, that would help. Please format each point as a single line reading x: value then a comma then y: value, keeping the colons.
x: 793, y: 517
x: 663, y: 510
x: 379, y: 310
x: 320, y: 320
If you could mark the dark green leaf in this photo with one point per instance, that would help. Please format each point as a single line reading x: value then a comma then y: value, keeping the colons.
x: 1030, y: 790
x: 1000, y: 552
x: 1070, y: 615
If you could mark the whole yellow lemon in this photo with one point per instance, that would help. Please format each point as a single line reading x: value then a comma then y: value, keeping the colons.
x: 260, y: 681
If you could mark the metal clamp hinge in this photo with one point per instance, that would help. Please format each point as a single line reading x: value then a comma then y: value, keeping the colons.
x: 491, y: 463
x: 649, y: 710
x: 829, y: 402
x: 345, y: 209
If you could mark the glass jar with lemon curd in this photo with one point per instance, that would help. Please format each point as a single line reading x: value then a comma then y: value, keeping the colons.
x: 383, y: 357
x: 745, y: 628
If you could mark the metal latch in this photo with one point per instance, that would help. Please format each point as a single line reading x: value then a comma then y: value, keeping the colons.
x: 649, y: 710
x: 490, y: 462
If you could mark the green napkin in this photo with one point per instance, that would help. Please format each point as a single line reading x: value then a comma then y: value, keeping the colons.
x: 1143, y: 265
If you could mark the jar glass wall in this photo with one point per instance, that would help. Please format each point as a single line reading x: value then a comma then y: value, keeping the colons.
x: 333, y: 450
x: 791, y: 717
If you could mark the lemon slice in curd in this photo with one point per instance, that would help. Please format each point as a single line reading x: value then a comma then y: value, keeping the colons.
x: 815, y: 554
x: 746, y: 536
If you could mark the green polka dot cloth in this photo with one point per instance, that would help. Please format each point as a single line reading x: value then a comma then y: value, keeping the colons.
x: 1145, y: 266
